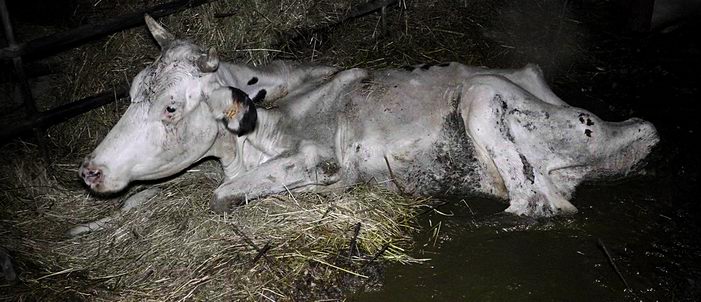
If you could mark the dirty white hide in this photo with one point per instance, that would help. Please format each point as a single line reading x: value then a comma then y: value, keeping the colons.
x: 445, y: 129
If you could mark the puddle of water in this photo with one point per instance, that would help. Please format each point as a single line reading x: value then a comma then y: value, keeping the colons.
x: 480, y: 254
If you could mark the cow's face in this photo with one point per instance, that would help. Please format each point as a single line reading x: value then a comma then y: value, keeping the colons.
x: 168, y: 126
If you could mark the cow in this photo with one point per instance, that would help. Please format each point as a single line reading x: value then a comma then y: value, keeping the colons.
x: 430, y: 130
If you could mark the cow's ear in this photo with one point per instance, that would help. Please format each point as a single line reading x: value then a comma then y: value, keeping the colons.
x: 247, y: 117
x: 218, y: 101
x: 136, y: 90
x: 241, y: 116
x: 162, y: 36
x: 235, y: 108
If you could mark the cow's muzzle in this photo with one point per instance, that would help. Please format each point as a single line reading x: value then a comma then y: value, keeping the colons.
x: 91, y: 173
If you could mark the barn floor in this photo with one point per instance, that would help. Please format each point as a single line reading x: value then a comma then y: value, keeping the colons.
x: 647, y: 225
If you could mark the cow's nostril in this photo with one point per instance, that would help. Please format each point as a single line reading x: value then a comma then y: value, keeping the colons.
x: 91, y: 174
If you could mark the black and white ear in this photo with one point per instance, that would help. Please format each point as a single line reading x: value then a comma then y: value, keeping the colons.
x: 162, y: 36
x: 240, y: 114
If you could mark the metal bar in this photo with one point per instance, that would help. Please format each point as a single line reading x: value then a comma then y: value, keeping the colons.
x: 25, y: 92
x: 369, y: 7
x: 61, y: 113
x: 54, y: 43
x: 30, y: 107
x: 57, y: 42
x: 7, y: 25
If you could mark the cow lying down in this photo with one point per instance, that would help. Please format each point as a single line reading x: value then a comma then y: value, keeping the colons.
x: 446, y: 129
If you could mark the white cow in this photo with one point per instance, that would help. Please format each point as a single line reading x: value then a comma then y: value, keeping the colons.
x: 443, y: 129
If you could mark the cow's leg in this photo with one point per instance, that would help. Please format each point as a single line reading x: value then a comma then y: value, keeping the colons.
x: 532, y: 80
x: 488, y: 107
x: 311, y: 167
x: 133, y: 201
x: 529, y: 78
x: 543, y: 151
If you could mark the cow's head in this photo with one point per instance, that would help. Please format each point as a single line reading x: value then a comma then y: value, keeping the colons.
x: 173, y: 120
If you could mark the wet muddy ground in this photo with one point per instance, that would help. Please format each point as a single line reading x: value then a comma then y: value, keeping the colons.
x: 479, y: 254
x: 648, y: 225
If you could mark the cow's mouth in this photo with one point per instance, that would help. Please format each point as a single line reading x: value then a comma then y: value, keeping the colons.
x: 95, y: 177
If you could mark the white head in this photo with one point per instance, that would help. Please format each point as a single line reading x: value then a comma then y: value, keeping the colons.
x: 171, y: 122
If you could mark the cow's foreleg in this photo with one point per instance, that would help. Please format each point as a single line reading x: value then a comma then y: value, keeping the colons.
x: 310, y: 167
x: 133, y: 201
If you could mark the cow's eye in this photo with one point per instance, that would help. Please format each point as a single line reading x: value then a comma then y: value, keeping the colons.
x: 170, y: 109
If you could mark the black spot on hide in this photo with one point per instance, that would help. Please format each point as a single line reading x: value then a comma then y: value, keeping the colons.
x: 587, y: 132
x: 503, y: 127
x: 527, y: 169
x: 260, y: 96
x: 589, y: 122
x: 584, y: 118
x: 253, y: 81
x: 250, y: 115
x: 248, y: 122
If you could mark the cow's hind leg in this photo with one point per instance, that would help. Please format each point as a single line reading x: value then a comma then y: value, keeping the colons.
x: 489, y: 105
x: 531, y: 79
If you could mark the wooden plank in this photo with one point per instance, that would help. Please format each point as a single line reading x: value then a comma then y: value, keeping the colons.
x: 19, y: 74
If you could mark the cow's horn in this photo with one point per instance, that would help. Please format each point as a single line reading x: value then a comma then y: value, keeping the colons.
x: 209, y: 62
x: 162, y: 36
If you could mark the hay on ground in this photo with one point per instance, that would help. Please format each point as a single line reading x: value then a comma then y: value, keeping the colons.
x: 172, y: 248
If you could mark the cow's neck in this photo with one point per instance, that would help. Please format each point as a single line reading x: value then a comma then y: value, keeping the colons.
x: 269, y: 137
x: 267, y: 141
x: 224, y: 148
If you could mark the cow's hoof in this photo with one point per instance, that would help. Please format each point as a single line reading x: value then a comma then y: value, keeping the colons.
x: 224, y: 204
